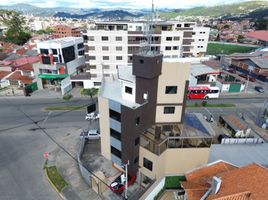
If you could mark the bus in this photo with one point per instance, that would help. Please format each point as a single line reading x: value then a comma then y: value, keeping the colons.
x: 203, y: 92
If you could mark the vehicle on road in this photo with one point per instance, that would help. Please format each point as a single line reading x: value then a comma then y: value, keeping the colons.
x: 209, y: 119
x: 259, y: 89
x: 93, y: 134
x: 203, y: 92
x: 92, y: 116
x: 118, y: 185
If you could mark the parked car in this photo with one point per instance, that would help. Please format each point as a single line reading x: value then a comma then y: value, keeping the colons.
x: 118, y: 185
x: 92, y: 116
x: 259, y: 89
x: 90, y: 135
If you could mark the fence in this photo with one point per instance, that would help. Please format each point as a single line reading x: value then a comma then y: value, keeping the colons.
x: 242, y: 141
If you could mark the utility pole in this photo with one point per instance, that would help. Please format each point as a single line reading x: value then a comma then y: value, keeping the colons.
x: 126, y: 178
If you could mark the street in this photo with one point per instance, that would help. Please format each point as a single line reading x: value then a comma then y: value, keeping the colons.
x: 23, y: 142
x: 22, y: 145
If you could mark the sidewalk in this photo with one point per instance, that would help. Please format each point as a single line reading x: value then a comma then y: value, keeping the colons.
x: 242, y: 95
x: 77, y: 189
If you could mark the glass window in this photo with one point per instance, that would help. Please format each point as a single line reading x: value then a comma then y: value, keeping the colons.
x: 91, y: 38
x: 91, y: 48
x: 68, y: 54
x: 46, y: 60
x: 105, y: 48
x: 119, y: 48
x: 128, y: 90
x: 169, y: 110
x: 175, y: 48
x: 80, y: 46
x: 169, y: 38
x: 104, y: 38
x: 81, y: 53
x: 116, y: 152
x: 115, y: 115
x: 115, y: 134
x: 176, y: 38
x: 171, y: 89
x: 168, y: 48
x: 147, y: 164
x: 118, y: 38
x: 54, y: 51
x: 105, y: 58
x: 92, y: 57
x: 137, y: 141
x: 44, y: 51
x: 119, y: 58
x: 55, y: 59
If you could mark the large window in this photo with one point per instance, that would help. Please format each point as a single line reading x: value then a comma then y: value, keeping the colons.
x: 105, y: 48
x: 119, y: 48
x: 147, y: 164
x: 54, y: 51
x: 92, y: 57
x: 91, y: 38
x: 119, y: 57
x: 168, y: 48
x: 169, y: 38
x: 104, y: 38
x: 118, y: 38
x: 116, y: 152
x: 105, y: 58
x: 46, y: 60
x: 80, y: 46
x: 115, y: 134
x: 91, y: 48
x: 115, y: 115
x: 171, y: 89
x: 128, y: 90
x: 68, y: 54
x: 44, y: 51
x: 169, y: 110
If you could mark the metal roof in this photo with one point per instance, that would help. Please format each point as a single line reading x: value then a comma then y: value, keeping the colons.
x: 240, y: 154
x: 200, y: 69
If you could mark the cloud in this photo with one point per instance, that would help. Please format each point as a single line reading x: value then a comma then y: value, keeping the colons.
x: 120, y: 3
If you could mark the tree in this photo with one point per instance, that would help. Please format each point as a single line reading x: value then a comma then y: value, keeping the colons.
x: 261, y: 24
x: 48, y: 30
x: 89, y: 92
x: 16, y: 31
x: 240, y: 38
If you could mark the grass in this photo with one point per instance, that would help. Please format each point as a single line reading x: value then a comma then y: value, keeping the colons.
x: 214, y: 49
x: 63, y: 108
x: 174, y: 182
x: 55, y: 178
x: 67, y: 97
x: 218, y: 105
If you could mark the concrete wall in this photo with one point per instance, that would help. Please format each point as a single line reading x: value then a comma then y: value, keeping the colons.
x: 166, y: 118
x: 104, y: 127
x: 173, y: 161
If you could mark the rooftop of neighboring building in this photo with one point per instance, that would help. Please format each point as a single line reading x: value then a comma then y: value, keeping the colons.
x: 16, y: 76
x: 259, y: 35
x: 64, y: 26
x: 248, y: 181
x: 61, y: 41
x: 200, y: 69
x: 234, y: 122
x: 3, y: 74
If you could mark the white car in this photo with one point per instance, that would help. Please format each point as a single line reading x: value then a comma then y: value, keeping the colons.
x: 92, y: 116
x: 90, y: 135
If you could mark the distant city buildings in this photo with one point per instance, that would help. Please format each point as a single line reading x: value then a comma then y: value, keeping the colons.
x: 109, y: 44
x: 60, y: 31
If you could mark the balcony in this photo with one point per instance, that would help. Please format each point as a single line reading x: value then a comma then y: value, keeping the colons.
x: 82, y: 76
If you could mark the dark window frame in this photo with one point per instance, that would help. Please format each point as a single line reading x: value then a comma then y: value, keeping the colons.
x: 116, y: 152
x: 115, y: 134
x: 128, y: 90
x: 169, y: 109
x: 115, y: 115
x: 171, y: 90
x: 147, y: 164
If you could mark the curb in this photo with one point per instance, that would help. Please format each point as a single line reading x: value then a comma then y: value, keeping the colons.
x: 53, y: 186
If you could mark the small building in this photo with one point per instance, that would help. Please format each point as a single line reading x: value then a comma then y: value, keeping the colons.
x: 260, y: 36
x: 235, y: 125
x: 18, y: 80
x: 60, y: 31
x: 3, y: 81
x: 58, y: 60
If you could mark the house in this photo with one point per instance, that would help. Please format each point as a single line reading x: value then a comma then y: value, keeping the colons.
x: 3, y: 81
x: 18, y: 80
x: 224, y: 181
x: 261, y: 36
x: 60, y: 31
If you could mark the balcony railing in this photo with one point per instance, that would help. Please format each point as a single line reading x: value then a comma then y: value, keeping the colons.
x: 84, y: 76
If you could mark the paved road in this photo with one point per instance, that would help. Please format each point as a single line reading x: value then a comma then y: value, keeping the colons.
x: 22, y: 145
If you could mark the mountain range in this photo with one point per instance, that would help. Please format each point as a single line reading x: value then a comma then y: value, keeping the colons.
x: 245, y: 9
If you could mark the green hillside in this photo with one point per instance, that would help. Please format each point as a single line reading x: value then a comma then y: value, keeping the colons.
x: 221, y: 10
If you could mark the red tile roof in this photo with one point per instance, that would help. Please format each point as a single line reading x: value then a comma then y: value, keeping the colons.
x: 3, y: 74
x: 16, y: 76
x: 25, y: 60
x: 260, y: 35
x: 27, y: 67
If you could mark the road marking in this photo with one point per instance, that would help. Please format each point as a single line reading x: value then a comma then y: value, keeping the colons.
x: 45, y: 120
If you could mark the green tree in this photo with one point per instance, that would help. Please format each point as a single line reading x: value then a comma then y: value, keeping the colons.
x: 48, y: 30
x: 89, y: 92
x: 16, y: 31
x: 261, y: 24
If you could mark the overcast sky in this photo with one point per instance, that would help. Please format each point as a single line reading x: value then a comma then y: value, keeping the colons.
x: 121, y: 3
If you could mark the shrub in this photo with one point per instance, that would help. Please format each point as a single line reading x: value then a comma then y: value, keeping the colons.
x: 67, y: 97
x: 204, y: 103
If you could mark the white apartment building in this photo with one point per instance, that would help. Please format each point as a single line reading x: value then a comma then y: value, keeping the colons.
x: 110, y: 44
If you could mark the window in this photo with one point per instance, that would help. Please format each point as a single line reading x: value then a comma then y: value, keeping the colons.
x: 105, y: 48
x: 106, y: 66
x: 104, y: 38
x: 80, y: 46
x: 46, y: 60
x: 118, y: 38
x: 168, y: 48
x: 91, y: 38
x: 116, y: 152
x: 137, y: 141
x: 175, y: 48
x: 147, y: 164
x: 186, y: 25
x: 168, y: 38
x: 141, y: 61
x: 68, y: 54
x: 91, y: 48
x: 106, y: 75
x: 115, y: 115
x: 85, y: 37
x: 92, y: 57
x: 176, y: 38
x: 178, y: 25
x: 169, y: 110
x: 115, y: 134
x: 137, y: 121
x: 119, y: 48
x: 54, y: 51
x: 171, y: 89
x: 119, y: 58
x: 128, y: 90
x: 136, y: 160
x: 105, y: 57
x: 55, y: 59
x: 193, y: 33
x: 81, y: 53
x: 44, y: 51
x: 92, y: 66
x: 97, y: 83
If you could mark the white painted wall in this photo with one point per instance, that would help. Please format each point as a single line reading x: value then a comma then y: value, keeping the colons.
x: 129, y: 97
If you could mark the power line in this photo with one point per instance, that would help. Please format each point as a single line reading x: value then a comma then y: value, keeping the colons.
x: 59, y: 145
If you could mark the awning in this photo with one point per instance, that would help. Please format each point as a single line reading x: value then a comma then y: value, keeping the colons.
x: 52, y: 76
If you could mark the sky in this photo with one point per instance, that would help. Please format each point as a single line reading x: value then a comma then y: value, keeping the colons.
x: 138, y: 4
